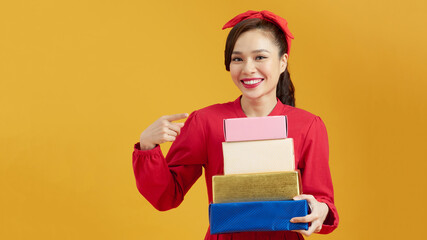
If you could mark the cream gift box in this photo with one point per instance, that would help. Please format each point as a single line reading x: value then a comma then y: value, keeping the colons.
x: 258, y: 156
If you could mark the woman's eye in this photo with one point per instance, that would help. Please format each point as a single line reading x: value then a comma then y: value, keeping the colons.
x: 236, y: 59
x: 260, y: 57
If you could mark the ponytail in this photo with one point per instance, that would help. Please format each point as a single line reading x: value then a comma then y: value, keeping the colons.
x: 285, y: 89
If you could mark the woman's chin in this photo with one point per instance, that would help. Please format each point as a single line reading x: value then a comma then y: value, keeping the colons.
x: 257, y: 95
x: 251, y: 95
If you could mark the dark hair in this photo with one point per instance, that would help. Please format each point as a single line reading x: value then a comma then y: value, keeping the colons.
x: 285, y: 89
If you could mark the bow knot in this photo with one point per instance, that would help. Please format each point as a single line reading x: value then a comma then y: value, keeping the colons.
x: 265, y: 15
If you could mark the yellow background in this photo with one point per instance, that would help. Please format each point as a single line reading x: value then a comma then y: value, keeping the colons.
x: 80, y: 80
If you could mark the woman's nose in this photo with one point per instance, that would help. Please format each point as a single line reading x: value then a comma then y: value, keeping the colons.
x: 249, y: 67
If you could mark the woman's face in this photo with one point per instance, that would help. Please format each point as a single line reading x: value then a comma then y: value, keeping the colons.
x: 255, y: 65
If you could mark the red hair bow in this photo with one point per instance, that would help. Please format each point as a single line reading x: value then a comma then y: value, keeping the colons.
x: 266, y: 15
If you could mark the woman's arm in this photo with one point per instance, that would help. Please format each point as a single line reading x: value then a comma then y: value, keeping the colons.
x: 317, y: 181
x: 165, y: 181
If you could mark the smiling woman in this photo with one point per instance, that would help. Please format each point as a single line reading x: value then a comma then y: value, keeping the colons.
x: 256, y: 55
x: 276, y: 36
x: 256, y: 65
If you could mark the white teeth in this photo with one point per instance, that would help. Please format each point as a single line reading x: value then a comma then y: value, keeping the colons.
x: 251, y: 82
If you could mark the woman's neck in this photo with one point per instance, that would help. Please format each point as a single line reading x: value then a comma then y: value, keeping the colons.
x: 259, y: 107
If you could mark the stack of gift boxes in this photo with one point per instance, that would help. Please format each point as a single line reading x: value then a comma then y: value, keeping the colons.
x: 255, y: 193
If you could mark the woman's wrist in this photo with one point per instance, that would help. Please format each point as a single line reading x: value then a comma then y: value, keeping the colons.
x: 325, y: 211
x: 146, y: 146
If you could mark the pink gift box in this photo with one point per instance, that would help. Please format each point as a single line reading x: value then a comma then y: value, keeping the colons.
x: 255, y: 128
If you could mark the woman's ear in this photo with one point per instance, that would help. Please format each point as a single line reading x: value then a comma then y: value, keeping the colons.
x: 283, y: 62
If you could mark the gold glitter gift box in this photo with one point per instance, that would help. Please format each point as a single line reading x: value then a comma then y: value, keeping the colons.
x: 271, y: 186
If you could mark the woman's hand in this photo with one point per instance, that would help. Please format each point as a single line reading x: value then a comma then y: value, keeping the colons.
x: 318, y: 214
x: 162, y: 130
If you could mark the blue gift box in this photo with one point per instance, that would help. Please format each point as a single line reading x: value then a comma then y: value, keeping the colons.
x: 256, y: 216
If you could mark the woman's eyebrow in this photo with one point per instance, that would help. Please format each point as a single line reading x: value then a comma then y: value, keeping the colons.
x: 260, y: 50
x: 254, y: 51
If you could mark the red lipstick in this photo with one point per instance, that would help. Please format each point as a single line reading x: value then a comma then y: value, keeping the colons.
x: 251, y: 82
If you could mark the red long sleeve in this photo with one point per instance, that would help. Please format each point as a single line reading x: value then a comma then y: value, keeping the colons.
x: 164, y: 182
x: 316, y: 176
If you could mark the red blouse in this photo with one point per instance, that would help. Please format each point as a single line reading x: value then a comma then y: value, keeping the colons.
x: 164, y: 182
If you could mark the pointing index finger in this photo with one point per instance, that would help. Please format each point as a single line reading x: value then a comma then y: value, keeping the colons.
x: 175, y: 117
